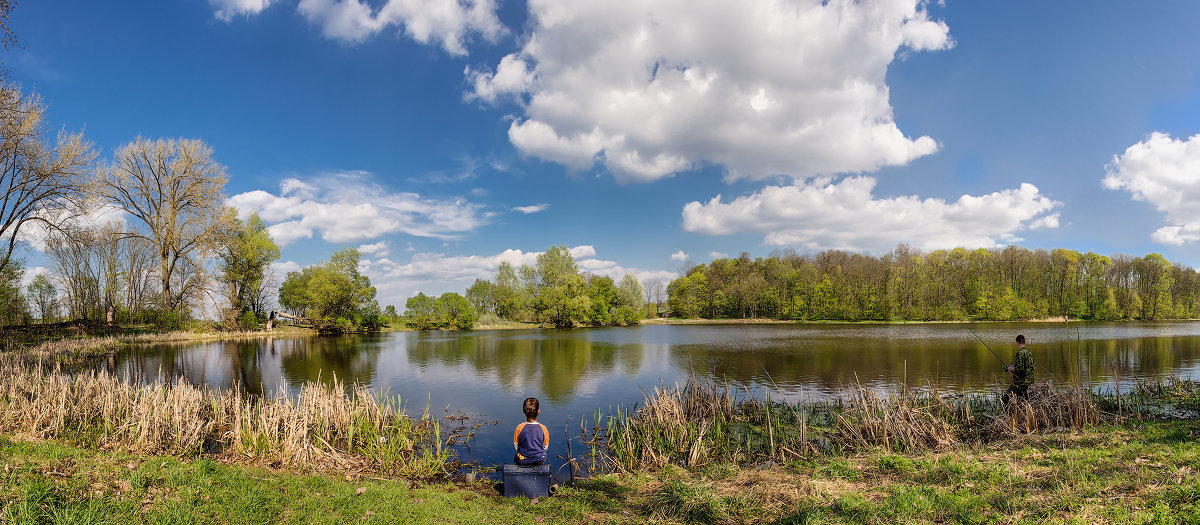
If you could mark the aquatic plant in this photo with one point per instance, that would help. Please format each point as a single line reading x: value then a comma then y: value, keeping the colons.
x: 324, y: 426
x: 702, y: 422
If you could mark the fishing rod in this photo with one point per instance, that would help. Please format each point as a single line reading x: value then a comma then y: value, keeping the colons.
x: 989, y: 348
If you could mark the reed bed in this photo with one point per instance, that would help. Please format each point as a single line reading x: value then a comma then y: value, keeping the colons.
x: 701, y: 422
x: 323, y: 427
x: 75, y: 351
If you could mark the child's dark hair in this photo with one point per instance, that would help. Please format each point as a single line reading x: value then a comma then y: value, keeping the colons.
x: 530, y: 407
x: 1021, y: 339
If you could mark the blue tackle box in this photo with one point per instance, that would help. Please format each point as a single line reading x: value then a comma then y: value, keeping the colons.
x: 532, y: 481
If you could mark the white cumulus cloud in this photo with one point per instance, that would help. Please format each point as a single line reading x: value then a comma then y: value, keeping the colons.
x: 649, y: 88
x: 718, y: 255
x: 679, y: 255
x: 448, y: 23
x: 227, y: 9
x: 347, y: 207
x: 1164, y: 172
x: 824, y: 214
x: 379, y: 249
x: 534, y: 208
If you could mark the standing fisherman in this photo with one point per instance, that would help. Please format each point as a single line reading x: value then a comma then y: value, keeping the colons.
x: 1022, y: 371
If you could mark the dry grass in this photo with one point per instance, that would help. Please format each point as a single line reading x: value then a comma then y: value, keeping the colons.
x: 76, y: 350
x: 322, y: 427
x: 701, y: 422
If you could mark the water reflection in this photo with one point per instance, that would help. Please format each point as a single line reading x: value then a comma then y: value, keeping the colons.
x: 560, y: 365
x: 576, y: 373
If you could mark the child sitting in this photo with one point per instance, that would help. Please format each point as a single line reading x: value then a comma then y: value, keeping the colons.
x: 531, y: 439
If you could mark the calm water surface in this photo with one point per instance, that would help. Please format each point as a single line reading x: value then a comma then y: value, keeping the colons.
x: 487, y: 373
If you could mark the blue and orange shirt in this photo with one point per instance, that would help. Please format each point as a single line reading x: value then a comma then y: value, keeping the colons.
x: 531, y: 441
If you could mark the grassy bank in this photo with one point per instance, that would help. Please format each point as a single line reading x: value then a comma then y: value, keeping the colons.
x: 1138, y: 473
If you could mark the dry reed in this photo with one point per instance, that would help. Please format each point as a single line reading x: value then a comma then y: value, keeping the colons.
x: 702, y: 422
x: 322, y: 427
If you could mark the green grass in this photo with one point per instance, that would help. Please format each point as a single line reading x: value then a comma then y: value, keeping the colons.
x: 1137, y: 473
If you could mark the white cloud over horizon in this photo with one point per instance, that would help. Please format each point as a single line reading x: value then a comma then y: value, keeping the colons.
x: 653, y: 88
x: 349, y: 206
x: 679, y: 255
x: 828, y: 214
x: 1164, y: 172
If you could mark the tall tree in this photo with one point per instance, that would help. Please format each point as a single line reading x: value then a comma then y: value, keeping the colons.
x: 629, y: 293
x: 333, y: 294
x: 43, y: 296
x: 40, y: 182
x: 173, y: 187
x: 246, y: 250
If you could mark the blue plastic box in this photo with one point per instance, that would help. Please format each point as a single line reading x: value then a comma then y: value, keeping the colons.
x: 531, y: 482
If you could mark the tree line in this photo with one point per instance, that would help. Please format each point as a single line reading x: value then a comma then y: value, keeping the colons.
x: 553, y: 292
x: 906, y: 284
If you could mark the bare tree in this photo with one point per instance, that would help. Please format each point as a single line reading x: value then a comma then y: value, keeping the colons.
x: 656, y: 293
x: 173, y: 187
x: 9, y: 38
x: 73, y: 265
x: 39, y: 182
x: 139, y: 274
x: 110, y: 252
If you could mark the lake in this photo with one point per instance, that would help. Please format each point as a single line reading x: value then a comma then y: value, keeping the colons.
x: 487, y: 373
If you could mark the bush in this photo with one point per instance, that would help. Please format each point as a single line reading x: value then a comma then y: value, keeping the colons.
x: 247, y: 321
x: 626, y: 316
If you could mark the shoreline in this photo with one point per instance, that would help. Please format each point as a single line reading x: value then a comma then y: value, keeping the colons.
x: 1046, y: 320
x: 1040, y: 478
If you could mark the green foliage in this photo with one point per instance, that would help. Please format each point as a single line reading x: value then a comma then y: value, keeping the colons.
x: 630, y: 293
x: 12, y: 301
x: 43, y: 298
x: 248, y: 320
x: 905, y: 284
x: 626, y: 316
x: 246, y: 251
x: 457, y: 311
x: 421, y: 312
x: 448, y: 311
x: 334, y: 295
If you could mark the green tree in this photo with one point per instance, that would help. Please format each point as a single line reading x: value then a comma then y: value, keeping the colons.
x: 556, y: 266
x: 334, y: 295
x: 630, y: 293
x: 421, y: 312
x: 602, y: 294
x: 246, y: 250
x: 565, y: 304
x: 43, y: 296
x: 457, y: 311
x: 12, y: 303
x: 483, y: 296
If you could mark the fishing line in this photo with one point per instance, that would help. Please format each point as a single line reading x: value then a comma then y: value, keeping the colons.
x: 989, y: 348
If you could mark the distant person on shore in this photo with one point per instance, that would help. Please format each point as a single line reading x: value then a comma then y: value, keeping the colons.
x: 531, y: 439
x: 1022, y: 372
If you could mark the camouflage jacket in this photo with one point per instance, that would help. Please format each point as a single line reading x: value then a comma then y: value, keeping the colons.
x: 1023, y: 369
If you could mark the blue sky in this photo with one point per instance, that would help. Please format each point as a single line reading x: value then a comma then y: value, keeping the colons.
x: 443, y: 136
